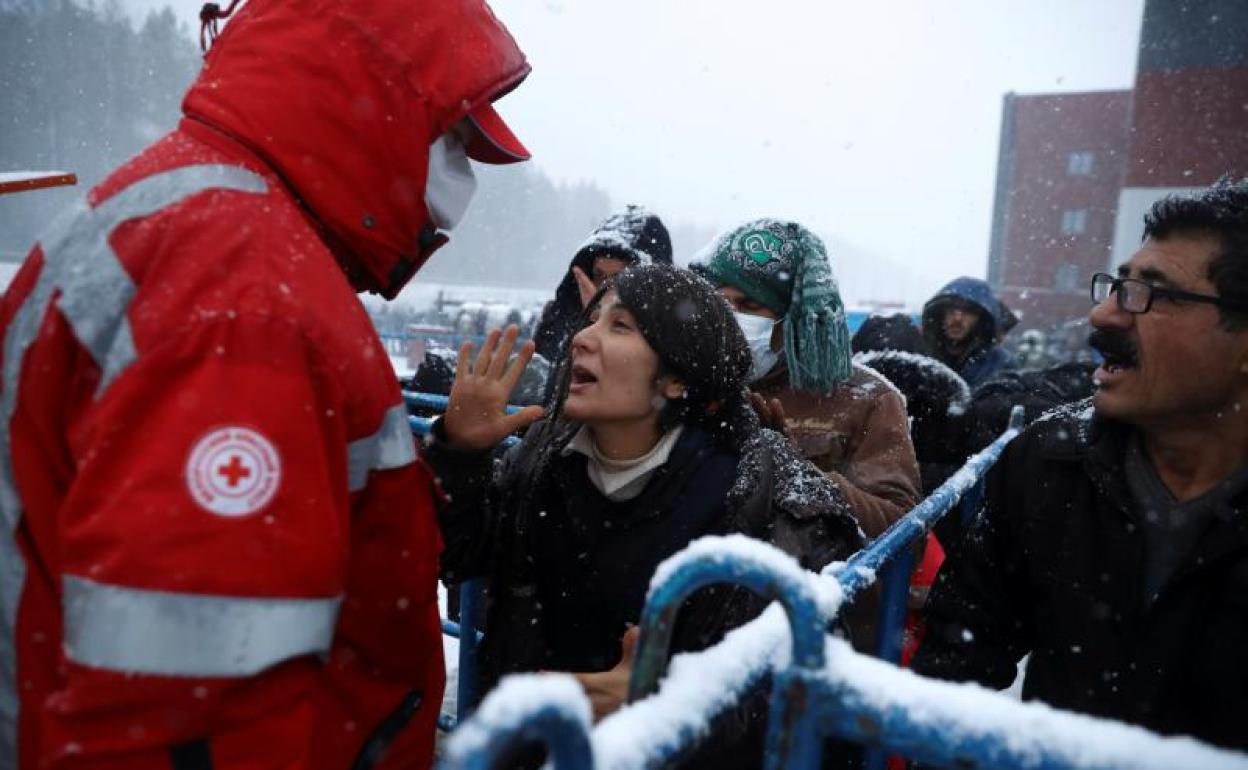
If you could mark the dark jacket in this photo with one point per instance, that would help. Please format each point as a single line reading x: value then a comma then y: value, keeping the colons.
x: 633, y: 236
x: 1053, y: 567
x: 1037, y: 392
x: 569, y: 568
x: 984, y: 358
x: 936, y: 401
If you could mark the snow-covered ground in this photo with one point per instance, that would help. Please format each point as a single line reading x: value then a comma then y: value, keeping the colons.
x: 401, y: 368
x: 450, y: 650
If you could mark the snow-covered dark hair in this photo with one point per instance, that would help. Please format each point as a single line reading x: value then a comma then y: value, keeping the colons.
x: 690, y: 327
x: 1219, y: 212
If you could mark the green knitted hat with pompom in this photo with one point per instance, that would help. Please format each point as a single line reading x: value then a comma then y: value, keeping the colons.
x: 784, y: 267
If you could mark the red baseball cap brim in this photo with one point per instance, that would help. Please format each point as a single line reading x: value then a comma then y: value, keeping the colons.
x: 493, y: 142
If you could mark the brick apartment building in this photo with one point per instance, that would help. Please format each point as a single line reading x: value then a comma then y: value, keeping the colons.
x: 1077, y: 171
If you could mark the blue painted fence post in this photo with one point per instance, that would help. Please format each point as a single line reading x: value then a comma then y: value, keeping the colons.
x: 891, y: 630
x: 471, y: 614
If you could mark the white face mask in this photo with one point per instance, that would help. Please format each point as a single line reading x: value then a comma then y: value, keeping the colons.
x: 757, y: 331
x: 450, y: 185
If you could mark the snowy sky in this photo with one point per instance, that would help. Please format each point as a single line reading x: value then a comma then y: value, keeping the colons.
x: 876, y: 123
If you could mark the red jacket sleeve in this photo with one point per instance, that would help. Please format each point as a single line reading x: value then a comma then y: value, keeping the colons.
x: 203, y: 553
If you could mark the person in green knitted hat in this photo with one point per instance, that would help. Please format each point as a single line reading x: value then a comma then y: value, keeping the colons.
x: 783, y: 267
x: 846, y: 419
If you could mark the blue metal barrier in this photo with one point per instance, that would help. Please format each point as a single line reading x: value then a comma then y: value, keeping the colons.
x: 548, y: 709
x: 793, y: 590
x: 896, y: 574
x: 826, y: 689
x: 471, y: 597
x: 794, y: 733
x: 860, y: 571
x: 421, y: 426
x: 471, y: 615
x: 451, y: 340
x: 439, y: 402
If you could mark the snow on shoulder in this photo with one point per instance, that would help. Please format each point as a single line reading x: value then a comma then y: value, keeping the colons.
x: 866, y: 388
x: 936, y: 369
x: 510, y: 705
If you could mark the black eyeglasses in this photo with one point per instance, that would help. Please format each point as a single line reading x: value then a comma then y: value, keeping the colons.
x: 1136, y: 296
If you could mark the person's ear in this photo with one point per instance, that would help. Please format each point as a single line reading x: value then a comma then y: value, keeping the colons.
x: 1243, y: 359
x: 673, y: 389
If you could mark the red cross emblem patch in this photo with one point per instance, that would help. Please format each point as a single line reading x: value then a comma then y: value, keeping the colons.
x: 233, y: 472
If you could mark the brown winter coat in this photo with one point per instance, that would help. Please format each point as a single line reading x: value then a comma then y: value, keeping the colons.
x: 859, y: 436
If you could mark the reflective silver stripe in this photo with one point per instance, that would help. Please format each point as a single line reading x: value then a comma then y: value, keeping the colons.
x: 391, y: 446
x: 171, y: 634
x: 96, y: 290
x: 95, y: 293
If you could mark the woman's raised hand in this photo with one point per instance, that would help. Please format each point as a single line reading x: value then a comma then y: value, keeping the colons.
x: 476, y: 418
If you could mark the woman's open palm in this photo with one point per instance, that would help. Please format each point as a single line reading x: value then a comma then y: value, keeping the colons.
x: 476, y: 418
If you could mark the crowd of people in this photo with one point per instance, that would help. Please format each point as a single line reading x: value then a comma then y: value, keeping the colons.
x: 1107, y: 549
x: 222, y: 543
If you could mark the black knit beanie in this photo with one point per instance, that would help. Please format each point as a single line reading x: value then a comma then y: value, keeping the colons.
x: 691, y: 329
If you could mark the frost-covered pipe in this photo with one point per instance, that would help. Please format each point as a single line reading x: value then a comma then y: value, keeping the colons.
x: 547, y: 708
x: 860, y: 571
x: 421, y: 426
x: 967, y: 726
x: 698, y: 687
x: 741, y: 561
x: 438, y: 401
x: 648, y: 733
x: 472, y: 617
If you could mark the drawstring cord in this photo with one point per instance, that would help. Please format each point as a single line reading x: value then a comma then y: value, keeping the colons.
x: 209, y: 18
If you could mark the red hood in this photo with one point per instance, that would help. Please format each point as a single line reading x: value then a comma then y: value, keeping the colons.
x: 343, y: 99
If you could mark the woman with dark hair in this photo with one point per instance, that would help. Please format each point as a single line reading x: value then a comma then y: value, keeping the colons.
x: 650, y: 444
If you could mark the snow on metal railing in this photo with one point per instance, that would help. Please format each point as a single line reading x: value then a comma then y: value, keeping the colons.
x: 846, y: 694
x: 816, y: 693
x: 652, y: 731
x: 740, y: 560
x: 421, y: 426
x: 547, y: 708
x: 439, y: 402
x: 861, y: 569
x: 718, y: 693
x: 964, y: 725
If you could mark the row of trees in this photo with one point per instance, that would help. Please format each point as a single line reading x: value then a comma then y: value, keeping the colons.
x: 82, y: 89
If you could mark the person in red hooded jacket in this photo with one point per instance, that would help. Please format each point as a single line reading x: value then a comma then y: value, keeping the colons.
x: 218, y: 544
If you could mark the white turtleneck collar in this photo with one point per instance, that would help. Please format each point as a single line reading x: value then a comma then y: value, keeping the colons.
x: 621, y: 480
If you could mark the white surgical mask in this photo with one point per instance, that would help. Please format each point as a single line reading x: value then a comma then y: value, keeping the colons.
x: 757, y: 331
x: 451, y: 182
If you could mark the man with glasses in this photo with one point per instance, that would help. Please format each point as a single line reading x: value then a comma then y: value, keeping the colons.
x: 1113, y: 546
